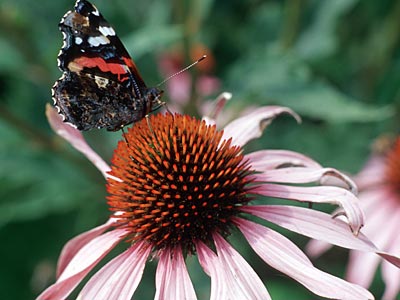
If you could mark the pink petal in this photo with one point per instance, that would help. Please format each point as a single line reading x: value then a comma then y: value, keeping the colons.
x: 219, y: 104
x: 211, y: 265
x: 361, y: 267
x: 242, y: 282
x: 231, y: 277
x: 369, y: 203
x: 75, y: 244
x: 252, y: 125
x: 372, y: 174
x: 319, y: 194
x: 179, y: 88
x: 370, y: 200
x: 386, y: 213
x: 81, y: 264
x: 382, y: 214
x: 119, y: 278
x: 264, y: 160
x: 207, y: 85
x: 332, y: 231
x: 75, y: 138
x: 390, y: 274
x: 315, y: 248
x: 313, y: 224
x: 172, y: 277
x: 303, y: 175
x: 317, y: 225
x: 391, y: 277
x: 286, y: 257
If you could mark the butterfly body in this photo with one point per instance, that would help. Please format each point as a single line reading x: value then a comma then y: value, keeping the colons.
x: 101, y: 86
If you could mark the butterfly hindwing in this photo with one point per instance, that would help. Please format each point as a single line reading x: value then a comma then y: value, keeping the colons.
x: 88, y: 101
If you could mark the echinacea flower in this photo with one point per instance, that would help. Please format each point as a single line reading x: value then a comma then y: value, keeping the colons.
x: 178, y: 187
x: 379, y: 185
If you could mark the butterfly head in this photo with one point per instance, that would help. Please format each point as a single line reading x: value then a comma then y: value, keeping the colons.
x: 152, y: 99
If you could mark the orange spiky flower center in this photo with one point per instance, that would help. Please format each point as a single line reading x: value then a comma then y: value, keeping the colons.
x: 176, y: 182
x: 393, y: 167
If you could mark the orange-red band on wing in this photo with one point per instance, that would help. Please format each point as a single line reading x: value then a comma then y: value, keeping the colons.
x: 129, y: 62
x: 92, y: 62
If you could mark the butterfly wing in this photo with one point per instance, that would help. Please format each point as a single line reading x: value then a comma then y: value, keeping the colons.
x: 101, y: 85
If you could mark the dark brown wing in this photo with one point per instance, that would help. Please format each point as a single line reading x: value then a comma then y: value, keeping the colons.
x: 100, y: 86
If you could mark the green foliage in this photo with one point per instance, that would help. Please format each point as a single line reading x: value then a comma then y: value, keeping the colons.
x: 336, y: 63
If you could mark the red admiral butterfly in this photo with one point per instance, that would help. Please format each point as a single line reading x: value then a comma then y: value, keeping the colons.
x: 101, y: 85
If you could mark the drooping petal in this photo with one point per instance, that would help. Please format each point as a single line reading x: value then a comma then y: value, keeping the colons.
x: 172, y: 277
x: 362, y: 266
x: 211, y: 265
x: 319, y: 194
x: 264, y: 160
x: 283, y: 255
x: 231, y: 277
x: 119, y: 278
x: 390, y: 274
x: 81, y: 264
x: 313, y: 224
x: 370, y: 204
x: 75, y: 138
x: 219, y: 104
x: 242, y: 282
x: 303, y: 175
x: 251, y: 126
x: 318, y: 225
x: 75, y: 244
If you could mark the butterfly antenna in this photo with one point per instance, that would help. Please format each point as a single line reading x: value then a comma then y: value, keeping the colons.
x: 183, y: 70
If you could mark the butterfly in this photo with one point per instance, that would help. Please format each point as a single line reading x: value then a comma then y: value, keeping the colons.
x: 101, y: 86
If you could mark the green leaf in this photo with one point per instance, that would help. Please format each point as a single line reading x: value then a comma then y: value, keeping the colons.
x: 10, y: 57
x: 36, y: 183
x: 289, y: 82
x: 151, y: 38
x: 320, y: 38
x: 320, y: 101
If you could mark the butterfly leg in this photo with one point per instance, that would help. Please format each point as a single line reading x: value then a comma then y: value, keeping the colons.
x: 150, y: 127
x: 124, y: 135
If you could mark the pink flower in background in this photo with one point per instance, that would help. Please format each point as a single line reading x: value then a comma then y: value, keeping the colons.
x: 179, y: 88
x: 180, y: 188
x: 379, y: 185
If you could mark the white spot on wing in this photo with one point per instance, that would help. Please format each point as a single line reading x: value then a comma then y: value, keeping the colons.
x: 101, y: 81
x: 53, y: 95
x: 98, y: 40
x: 78, y: 40
x: 96, y: 12
x: 64, y: 45
x: 107, y: 31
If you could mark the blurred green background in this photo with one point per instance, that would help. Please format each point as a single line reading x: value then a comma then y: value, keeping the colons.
x: 336, y: 63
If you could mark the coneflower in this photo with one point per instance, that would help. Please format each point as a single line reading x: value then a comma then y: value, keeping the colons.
x: 379, y: 184
x: 179, y: 187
